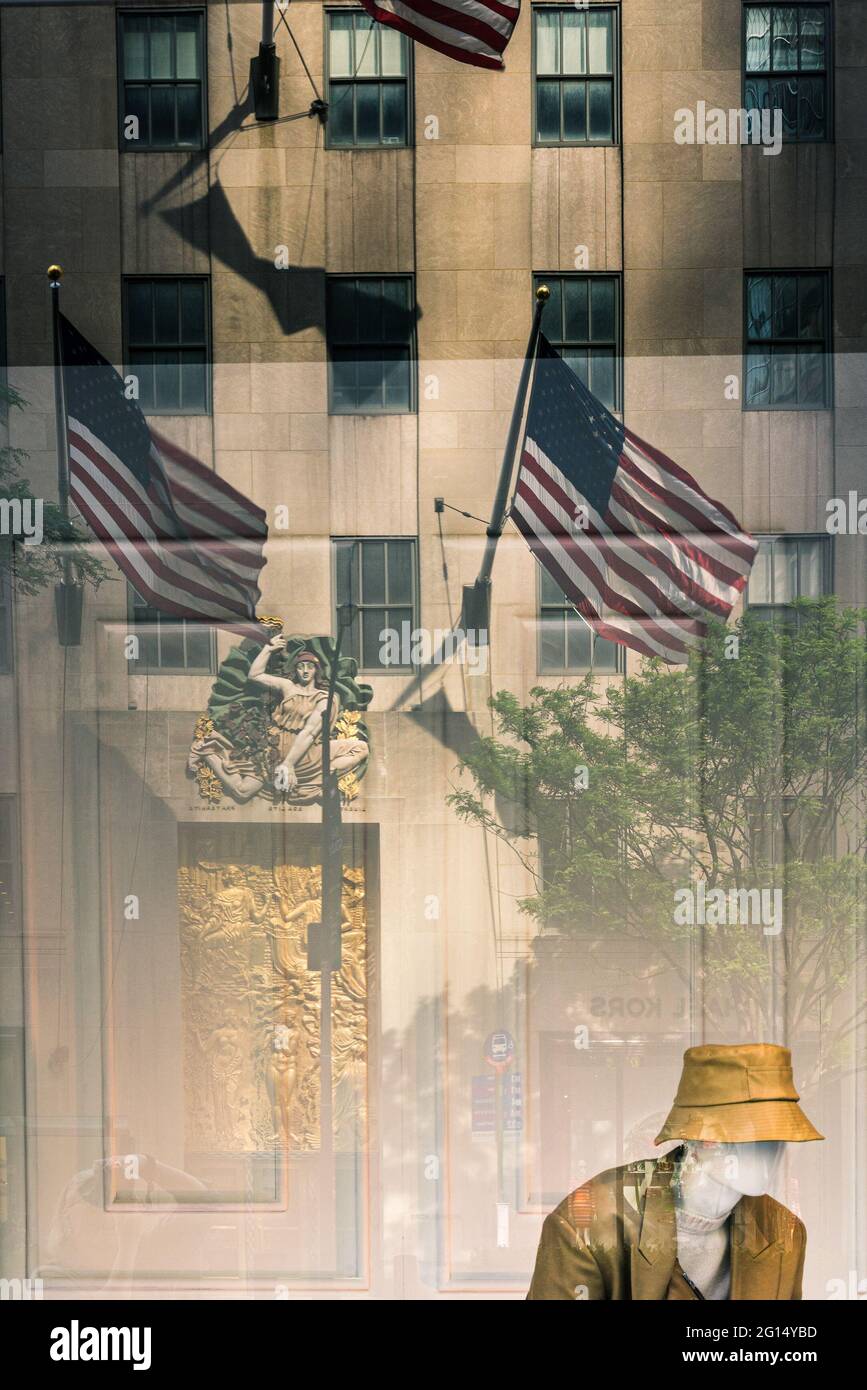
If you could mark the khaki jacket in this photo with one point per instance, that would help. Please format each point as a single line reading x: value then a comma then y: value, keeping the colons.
x: 615, y: 1238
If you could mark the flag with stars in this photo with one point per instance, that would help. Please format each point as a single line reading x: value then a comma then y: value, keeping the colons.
x: 188, y: 543
x: 642, y: 553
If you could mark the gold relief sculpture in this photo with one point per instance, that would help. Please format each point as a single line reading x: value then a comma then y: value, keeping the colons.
x: 252, y: 1008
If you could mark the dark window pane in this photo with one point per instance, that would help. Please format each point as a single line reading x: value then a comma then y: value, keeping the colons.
x: 167, y: 376
x: 198, y: 646
x: 343, y: 378
x: 369, y: 379
x: 600, y: 108
x: 602, y: 327
x: 148, y: 646
x: 602, y: 375
x: 604, y: 654
x: 396, y: 323
x: 166, y: 316
x: 162, y: 115
x: 162, y: 44
x: 577, y: 360
x: 811, y: 306
x: 578, y: 638
x: 373, y: 572
x: 340, y: 119
x: 370, y: 312
x: 552, y: 653
x: 784, y: 377
x: 135, y: 46
x: 575, y: 293
x: 373, y: 636
x: 187, y: 48
x: 758, y: 384
x: 396, y: 378
x: 342, y: 304
x: 548, y: 110
x: 367, y: 127
x: 812, y: 37
x: 140, y: 315
x: 346, y: 559
x: 394, y: 113
x: 785, y: 321
x: 136, y: 104
x: 399, y: 572
x: 758, y: 33
x: 192, y: 311
x: 759, y: 306
x: 811, y: 384
x: 574, y: 110
x: 811, y: 108
x: 756, y: 93
x: 784, y: 43
x: 189, y: 116
x: 549, y: 591
x: 171, y: 645
x: 193, y: 380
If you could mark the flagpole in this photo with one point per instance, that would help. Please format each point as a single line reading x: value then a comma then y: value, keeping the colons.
x: 477, y: 597
x: 68, y: 593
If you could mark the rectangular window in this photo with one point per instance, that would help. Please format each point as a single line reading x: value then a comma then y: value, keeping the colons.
x: 368, y: 82
x: 566, y: 643
x: 167, y: 340
x: 787, y: 568
x: 787, y: 66
x: 787, y: 340
x: 371, y: 344
x: 161, y: 67
x: 8, y: 864
x: 168, y: 644
x: 582, y: 321
x: 575, y: 53
x: 378, y: 577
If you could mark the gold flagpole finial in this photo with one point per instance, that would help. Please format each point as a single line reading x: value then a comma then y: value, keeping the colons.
x: 55, y: 274
x: 542, y: 293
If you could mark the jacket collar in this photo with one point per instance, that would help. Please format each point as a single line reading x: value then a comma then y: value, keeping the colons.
x: 754, y: 1256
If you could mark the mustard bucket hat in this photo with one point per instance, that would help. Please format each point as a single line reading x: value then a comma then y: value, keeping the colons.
x: 737, y: 1095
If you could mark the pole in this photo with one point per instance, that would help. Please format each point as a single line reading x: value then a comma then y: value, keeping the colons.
x: 477, y: 596
x: 68, y: 593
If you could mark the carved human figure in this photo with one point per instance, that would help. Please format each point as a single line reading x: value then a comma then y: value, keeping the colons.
x: 297, y: 723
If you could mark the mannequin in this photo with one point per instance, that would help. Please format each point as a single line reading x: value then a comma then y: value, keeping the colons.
x: 708, y: 1183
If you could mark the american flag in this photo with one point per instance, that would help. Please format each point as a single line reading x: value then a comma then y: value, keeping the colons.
x: 188, y: 543
x: 473, y: 31
x: 637, y: 547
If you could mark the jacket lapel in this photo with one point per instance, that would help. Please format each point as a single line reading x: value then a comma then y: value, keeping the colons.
x: 756, y: 1258
x: 652, y: 1259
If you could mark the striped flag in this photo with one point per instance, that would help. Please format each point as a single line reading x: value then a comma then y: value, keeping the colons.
x: 473, y: 31
x: 188, y: 543
x: 637, y: 547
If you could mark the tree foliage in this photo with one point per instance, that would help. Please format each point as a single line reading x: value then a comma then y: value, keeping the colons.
x: 744, y: 769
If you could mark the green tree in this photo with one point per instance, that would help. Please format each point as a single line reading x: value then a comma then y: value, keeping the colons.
x: 744, y: 769
x: 29, y: 568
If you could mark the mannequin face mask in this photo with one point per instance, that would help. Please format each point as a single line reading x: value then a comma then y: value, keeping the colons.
x: 747, y: 1170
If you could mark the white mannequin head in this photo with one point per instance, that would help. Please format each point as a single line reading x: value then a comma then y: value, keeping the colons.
x: 713, y: 1176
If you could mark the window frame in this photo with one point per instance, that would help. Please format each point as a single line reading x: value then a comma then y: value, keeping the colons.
x: 559, y: 671
x: 136, y: 146
x: 539, y: 277
x: 143, y: 668
x: 616, y: 97
x: 128, y: 369
x: 827, y: 553
x: 409, y: 91
x: 412, y: 407
x: 415, y: 604
x: 827, y: 72
x: 825, y: 272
